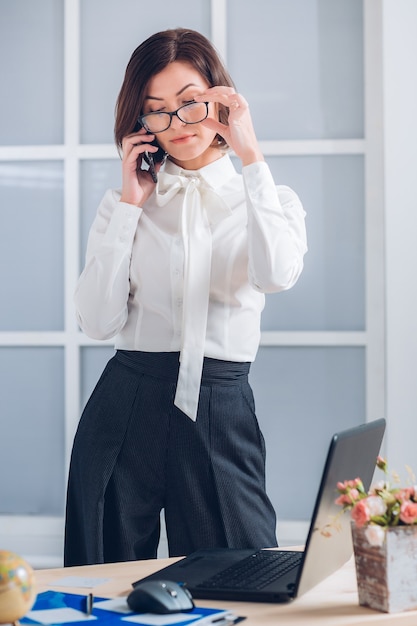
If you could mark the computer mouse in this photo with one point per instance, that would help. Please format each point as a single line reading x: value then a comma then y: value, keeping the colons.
x: 159, y: 596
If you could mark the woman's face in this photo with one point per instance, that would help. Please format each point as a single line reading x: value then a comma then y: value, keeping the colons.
x: 188, y: 145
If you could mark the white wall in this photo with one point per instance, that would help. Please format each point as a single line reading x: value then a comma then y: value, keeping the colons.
x: 400, y: 159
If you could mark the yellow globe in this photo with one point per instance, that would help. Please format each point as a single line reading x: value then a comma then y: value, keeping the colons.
x: 17, y: 587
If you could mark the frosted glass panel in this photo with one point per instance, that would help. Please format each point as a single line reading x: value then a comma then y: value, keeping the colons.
x: 299, y: 64
x: 96, y: 178
x: 32, y: 431
x: 31, y: 246
x: 303, y: 396
x: 32, y: 72
x: 330, y: 294
x: 110, y: 31
x: 93, y: 362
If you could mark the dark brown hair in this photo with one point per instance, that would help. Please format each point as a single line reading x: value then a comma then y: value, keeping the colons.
x: 150, y: 58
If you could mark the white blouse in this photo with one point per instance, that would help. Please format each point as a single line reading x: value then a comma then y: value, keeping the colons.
x: 201, y: 252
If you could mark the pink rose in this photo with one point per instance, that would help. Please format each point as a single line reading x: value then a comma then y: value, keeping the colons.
x: 405, y: 494
x: 349, y: 484
x: 381, y: 463
x: 354, y: 494
x: 347, y: 499
x: 408, y: 512
x: 360, y: 513
x: 343, y: 500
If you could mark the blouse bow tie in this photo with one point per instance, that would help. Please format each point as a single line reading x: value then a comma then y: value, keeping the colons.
x: 202, y: 207
x: 170, y: 184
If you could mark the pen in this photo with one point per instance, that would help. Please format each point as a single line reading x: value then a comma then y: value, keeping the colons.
x: 89, y: 604
x: 224, y: 619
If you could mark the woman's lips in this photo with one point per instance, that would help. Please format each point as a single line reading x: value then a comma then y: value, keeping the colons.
x: 182, y: 139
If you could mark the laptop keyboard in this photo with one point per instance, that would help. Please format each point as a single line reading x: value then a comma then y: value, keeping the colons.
x: 255, y: 572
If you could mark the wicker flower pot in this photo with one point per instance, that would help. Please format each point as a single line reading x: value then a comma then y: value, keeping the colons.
x: 387, y: 574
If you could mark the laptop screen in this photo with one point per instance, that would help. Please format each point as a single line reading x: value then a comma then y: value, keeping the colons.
x: 352, y: 453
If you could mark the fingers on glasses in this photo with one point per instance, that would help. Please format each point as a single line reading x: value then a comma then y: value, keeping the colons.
x: 226, y: 96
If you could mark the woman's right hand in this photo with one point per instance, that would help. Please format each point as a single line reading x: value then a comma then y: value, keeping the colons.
x: 137, y: 184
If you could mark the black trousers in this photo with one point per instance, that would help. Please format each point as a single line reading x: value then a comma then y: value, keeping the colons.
x: 135, y: 454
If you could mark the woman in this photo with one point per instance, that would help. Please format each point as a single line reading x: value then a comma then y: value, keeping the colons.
x: 177, y: 270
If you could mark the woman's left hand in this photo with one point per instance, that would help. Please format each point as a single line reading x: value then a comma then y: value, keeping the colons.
x: 239, y: 133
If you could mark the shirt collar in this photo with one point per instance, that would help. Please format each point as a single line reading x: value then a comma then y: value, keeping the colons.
x: 215, y: 174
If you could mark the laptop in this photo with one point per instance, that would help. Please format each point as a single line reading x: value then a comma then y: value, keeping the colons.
x: 250, y: 575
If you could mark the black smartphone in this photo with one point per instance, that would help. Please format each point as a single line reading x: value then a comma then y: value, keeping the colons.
x: 153, y: 157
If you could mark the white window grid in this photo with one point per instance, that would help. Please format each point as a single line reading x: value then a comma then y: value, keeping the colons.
x: 72, y: 153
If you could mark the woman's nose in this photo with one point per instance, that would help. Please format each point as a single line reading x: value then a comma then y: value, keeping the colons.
x: 176, y: 122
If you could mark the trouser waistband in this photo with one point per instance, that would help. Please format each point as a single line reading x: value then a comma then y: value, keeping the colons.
x: 165, y: 365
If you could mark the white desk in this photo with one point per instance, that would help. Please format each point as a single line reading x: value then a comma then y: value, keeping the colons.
x: 334, y: 602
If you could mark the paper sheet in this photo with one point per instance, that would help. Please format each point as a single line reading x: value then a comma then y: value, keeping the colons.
x: 56, y: 608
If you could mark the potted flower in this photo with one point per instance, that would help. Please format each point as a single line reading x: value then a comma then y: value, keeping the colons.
x: 384, y: 533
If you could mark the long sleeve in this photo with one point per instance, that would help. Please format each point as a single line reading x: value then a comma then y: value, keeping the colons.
x: 133, y: 285
x: 102, y: 293
x: 277, y: 238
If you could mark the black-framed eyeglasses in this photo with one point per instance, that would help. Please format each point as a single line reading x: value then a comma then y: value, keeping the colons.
x: 158, y: 121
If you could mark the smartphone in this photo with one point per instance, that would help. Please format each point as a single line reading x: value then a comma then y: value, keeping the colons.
x: 153, y: 157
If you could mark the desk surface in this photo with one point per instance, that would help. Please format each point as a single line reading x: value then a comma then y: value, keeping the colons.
x: 334, y: 602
